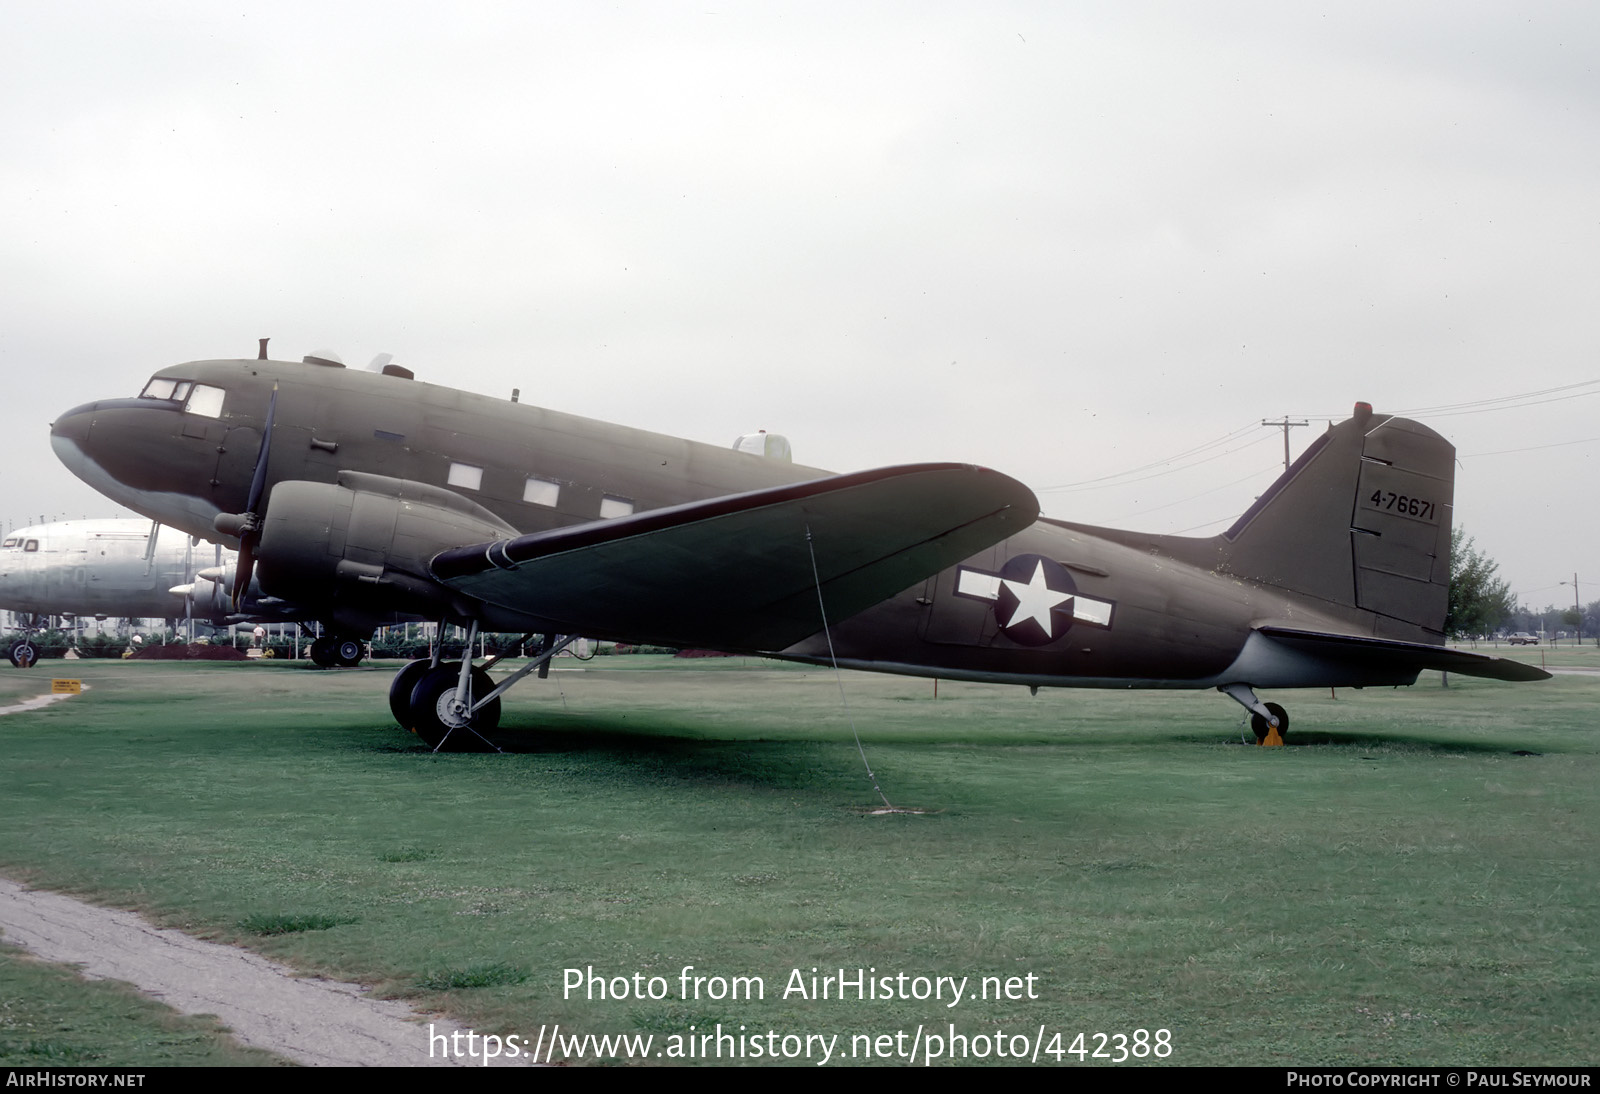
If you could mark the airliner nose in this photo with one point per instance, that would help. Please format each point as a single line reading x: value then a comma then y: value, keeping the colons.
x: 69, y: 435
x: 93, y: 441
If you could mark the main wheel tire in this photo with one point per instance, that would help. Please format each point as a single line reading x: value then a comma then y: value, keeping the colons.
x: 23, y: 654
x: 435, y: 718
x: 400, y: 689
x: 1260, y: 726
x: 322, y: 652
x: 347, y: 652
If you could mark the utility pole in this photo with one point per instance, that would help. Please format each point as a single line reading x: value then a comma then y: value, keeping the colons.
x: 1577, y: 609
x: 1285, y: 424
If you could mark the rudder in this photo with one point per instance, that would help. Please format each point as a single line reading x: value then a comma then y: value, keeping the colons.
x: 1362, y: 521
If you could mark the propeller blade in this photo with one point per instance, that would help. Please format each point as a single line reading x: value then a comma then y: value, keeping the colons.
x: 258, y: 481
x: 243, y: 569
x: 250, y: 533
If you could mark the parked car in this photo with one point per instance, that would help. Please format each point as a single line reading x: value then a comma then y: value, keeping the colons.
x: 1523, y: 638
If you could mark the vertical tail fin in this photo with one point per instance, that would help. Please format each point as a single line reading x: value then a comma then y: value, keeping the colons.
x: 1362, y: 521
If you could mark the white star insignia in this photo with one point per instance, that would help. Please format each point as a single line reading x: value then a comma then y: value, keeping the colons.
x: 1035, y: 600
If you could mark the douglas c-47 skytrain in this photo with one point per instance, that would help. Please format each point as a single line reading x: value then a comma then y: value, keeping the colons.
x: 360, y: 495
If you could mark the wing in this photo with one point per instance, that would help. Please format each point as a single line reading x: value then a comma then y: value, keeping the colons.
x: 744, y: 572
x: 1356, y: 651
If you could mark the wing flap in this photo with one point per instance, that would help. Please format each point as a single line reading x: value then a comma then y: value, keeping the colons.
x: 736, y: 572
x: 1356, y: 650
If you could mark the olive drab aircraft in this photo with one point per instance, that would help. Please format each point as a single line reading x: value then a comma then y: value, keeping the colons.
x: 368, y: 493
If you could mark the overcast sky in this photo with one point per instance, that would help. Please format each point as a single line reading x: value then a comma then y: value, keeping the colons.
x: 1062, y: 240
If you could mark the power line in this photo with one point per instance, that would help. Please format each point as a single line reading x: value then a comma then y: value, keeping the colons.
x: 1124, y: 477
x: 1499, y: 402
x: 1285, y: 425
x: 1256, y: 474
x: 1183, y: 461
x: 1530, y: 448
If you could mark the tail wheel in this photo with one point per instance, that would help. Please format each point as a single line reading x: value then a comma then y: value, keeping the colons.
x: 1260, y: 726
x: 442, y: 721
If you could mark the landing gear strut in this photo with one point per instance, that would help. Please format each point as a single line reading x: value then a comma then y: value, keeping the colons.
x: 1266, y: 719
x: 445, y: 715
x: 451, y: 705
x: 23, y: 653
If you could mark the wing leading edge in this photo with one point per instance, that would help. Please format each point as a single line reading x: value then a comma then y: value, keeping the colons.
x: 736, y: 572
x: 1355, y: 650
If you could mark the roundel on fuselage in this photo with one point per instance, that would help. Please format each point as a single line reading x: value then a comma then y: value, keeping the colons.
x: 1033, y: 604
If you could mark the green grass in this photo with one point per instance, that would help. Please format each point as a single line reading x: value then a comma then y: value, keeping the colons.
x: 1398, y: 886
x: 490, y: 975
x: 291, y: 923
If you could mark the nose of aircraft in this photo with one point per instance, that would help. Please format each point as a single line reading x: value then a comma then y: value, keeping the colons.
x: 69, y: 436
x: 145, y: 454
x: 113, y: 444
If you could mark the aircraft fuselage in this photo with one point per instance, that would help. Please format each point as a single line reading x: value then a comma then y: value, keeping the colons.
x: 98, y: 568
x: 182, y: 467
x: 1054, y: 604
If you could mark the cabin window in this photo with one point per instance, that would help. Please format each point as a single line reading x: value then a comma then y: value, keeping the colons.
x: 614, y: 507
x: 466, y: 476
x: 541, y: 492
x: 205, y: 401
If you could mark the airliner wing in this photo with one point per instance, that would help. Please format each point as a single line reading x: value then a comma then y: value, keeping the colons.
x: 744, y: 571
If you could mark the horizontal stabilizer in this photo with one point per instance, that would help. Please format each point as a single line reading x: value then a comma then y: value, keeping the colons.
x: 1355, y: 650
x: 736, y: 572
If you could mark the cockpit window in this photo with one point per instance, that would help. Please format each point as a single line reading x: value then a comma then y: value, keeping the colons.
x: 12, y: 542
x: 202, y: 399
x: 206, y: 400
x: 31, y: 545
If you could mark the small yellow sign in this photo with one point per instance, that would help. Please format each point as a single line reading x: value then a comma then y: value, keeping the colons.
x: 66, y: 687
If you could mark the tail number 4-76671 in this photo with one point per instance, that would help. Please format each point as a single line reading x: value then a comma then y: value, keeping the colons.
x: 1391, y: 502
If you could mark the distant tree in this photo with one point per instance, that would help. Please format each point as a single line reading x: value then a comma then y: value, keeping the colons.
x: 1479, y: 601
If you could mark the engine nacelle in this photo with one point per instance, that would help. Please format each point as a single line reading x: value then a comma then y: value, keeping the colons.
x: 207, y: 597
x: 362, y: 545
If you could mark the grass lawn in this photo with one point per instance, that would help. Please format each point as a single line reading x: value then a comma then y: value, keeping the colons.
x: 1413, y: 881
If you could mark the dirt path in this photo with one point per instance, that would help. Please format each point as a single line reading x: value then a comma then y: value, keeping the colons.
x: 310, y: 1021
x: 35, y: 704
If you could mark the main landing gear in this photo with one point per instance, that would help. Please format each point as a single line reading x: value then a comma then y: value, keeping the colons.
x: 337, y: 652
x: 1269, y: 721
x: 452, y: 705
x: 23, y: 653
